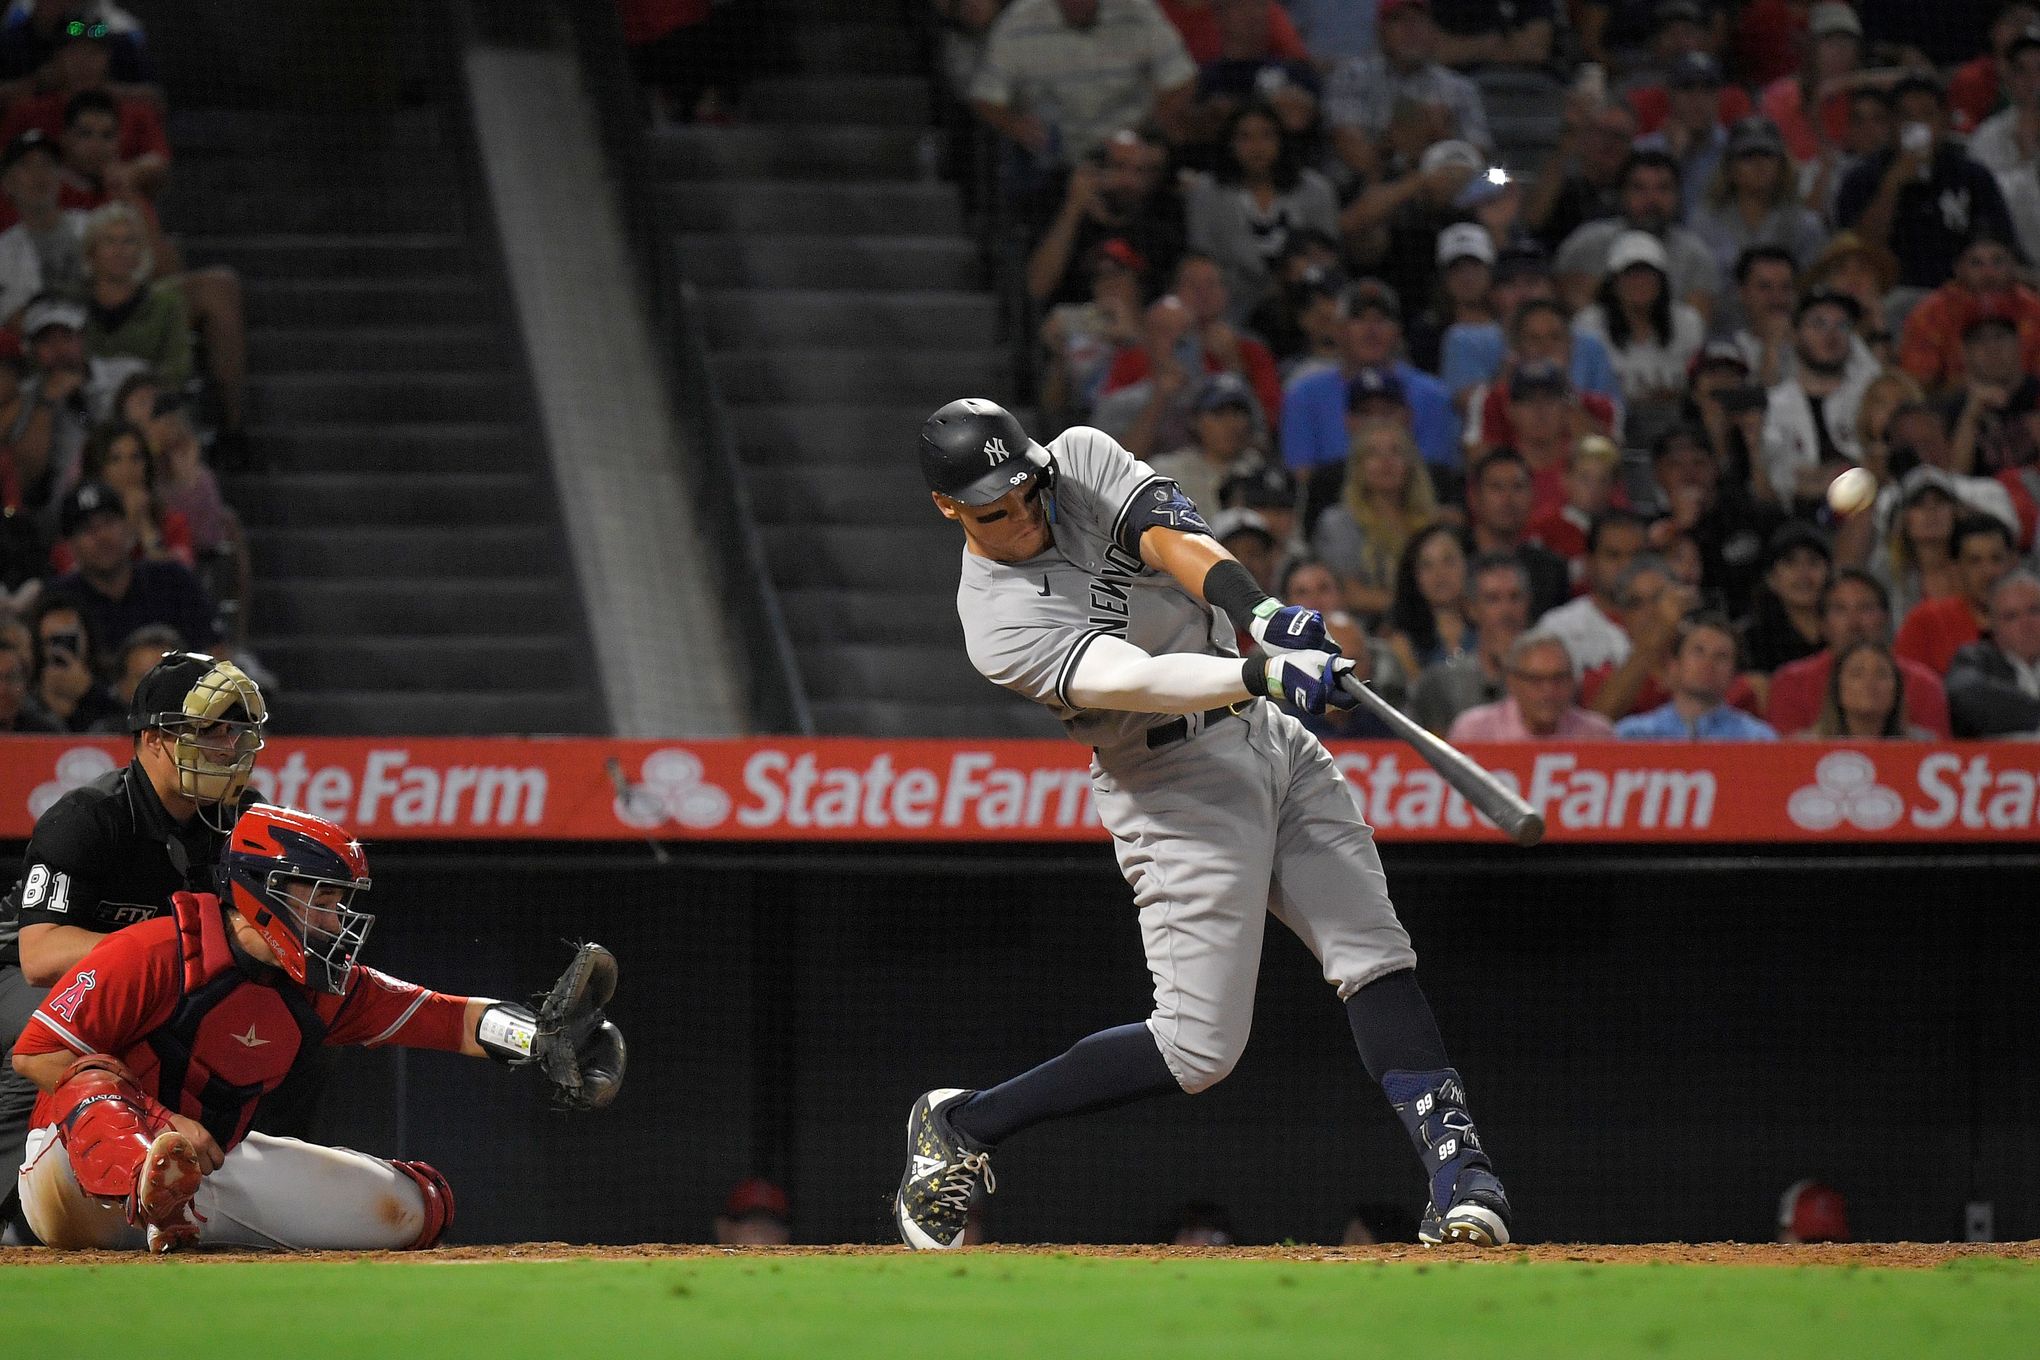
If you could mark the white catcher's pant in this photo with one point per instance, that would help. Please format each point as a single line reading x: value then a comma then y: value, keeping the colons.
x: 1215, y: 834
x: 273, y: 1193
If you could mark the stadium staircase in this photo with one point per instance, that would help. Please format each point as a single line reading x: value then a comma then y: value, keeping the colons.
x: 844, y: 298
x: 411, y: 575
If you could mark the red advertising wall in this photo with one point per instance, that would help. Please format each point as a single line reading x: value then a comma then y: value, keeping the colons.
x: 787, y: 789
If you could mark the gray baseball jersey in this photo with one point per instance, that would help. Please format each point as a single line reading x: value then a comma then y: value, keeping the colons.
x: 1213, y: 831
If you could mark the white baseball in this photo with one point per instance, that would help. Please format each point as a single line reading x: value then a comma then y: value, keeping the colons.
x: 1852, y: 491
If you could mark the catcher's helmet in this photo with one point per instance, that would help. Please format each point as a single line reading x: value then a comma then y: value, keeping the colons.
x: 272, y: 847
x: 973, y: 451
x: 215, y: 713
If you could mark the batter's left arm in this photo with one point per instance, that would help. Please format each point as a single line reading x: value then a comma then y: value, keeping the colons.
x: 1200, y: 564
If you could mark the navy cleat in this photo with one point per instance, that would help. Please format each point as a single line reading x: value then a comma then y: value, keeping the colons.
x: 1479, y: 1213
x: 943, y: 1171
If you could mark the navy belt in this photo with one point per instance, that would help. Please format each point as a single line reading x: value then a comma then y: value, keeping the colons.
x: 1174, y: 730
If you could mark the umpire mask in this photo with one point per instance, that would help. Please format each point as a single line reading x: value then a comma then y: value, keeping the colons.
x: 214, y: 715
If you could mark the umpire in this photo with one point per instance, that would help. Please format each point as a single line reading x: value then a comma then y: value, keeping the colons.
x: 110, y: 854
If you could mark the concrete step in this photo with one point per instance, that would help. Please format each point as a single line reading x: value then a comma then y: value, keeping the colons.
x: 869, y: 48
x: 337, y: 607
x: 283, y: 399
x: 463, y: 713
x: 805, y: 151
x: 940, y: 674
x: 359, y: 255
x: 282, y: 350
x: 842, y: 375
x: 446, y: 299
x: 1010, y: 716
x: 739, y: 317
x: 851, y: 207
x: 920, y: 617
x: 802, y: 261
x: 888, y: 557
x: 314, y: 500
x: 355, y: 446
x: 198, y: 132
x: 781, y: 434
x: 895, y: 101
x: 343, y: 207
x: 383, y: 661
x: 354, y: 168
x: 880, y: 491
x: 405, y: 551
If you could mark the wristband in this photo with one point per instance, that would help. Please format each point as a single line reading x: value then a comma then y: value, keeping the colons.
x: 1231, y: 587
x: 505, y: 1032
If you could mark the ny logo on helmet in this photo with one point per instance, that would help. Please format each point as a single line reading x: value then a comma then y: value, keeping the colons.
x: 995, y: 451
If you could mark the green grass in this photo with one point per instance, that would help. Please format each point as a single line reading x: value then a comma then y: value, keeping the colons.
x: 962, y: 1308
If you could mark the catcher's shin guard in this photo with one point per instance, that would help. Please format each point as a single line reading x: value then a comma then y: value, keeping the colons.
x: 438, y: 1195
x: 107, y: 1123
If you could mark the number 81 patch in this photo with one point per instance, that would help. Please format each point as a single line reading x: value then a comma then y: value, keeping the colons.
x: 42, y: 882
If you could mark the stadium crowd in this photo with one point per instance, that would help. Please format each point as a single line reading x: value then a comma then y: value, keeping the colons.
x: 1554, y: 447
x: 122, y: 384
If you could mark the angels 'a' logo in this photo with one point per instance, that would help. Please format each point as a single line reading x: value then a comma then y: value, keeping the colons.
x: 64, y: 1005
x: 995, y: 452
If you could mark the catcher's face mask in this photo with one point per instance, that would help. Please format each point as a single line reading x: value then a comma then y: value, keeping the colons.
x: 215, y: 738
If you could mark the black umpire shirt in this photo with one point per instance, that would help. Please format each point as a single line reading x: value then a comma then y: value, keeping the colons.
x: 105, y: 856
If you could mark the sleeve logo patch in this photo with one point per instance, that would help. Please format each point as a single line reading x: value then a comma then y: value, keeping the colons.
x: 65, y: 1005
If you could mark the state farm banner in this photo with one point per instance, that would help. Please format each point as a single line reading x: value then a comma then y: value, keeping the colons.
x: 841, y: 789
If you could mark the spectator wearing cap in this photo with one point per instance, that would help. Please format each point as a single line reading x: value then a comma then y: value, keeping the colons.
x: 1692, y: 132
x: 1922, y: 199
x: 1700, y: 675
x: 1650, y: 205
x: 1539, y: 706
x: 1651, y: 335
x: 1222, y: 427
x: 1994, y: 684
x: 1474, y: 33
x: 1243, y: 214
x: 1976, y: 89
x: 1682, y: 32
x: 1246, y: 535
x: 1986, y: 416
x: 1936, y: 630
x: 1848, y: 264
x: 1498, y: 607
x: 66, y: 686
x: 1919, y: 441
x: 755, y: 1214
x: 2011, y: 137
x: 1985, y: 284
x: 1466, y: 263
x: 1692, y: 497
x: 1812, y: 1212
x: 1314, y: 432
x: 1810, y: 417
x: 1060, y: 77
x: 1268, y: 490
x: 83, y: 62
x: 1590, y: 625
x: 1724, y: 409
x: 1121, y: 191
x: 1393, y: 225
x: 1855, y: 608
x: 1188, y: 337
x: 1363, y: 92
x: 58, y: 397
x: 1618, y: 33
x: 1543, y: 420
x: 1299, y: 319
x: 1387, y: 499
x: 20, y: 711
x: 32, y: 34
x: 44, y: 249
x: 1082, y: 338
x: 1915, y: 558
x: 1810, y: 106
x: 117, y: 593
x: 1499, y: 498
x: 1752, y: 200
x: 1589, y: 483
x: 1784, y: 622
x: 1474, y: 354
x: 1581, y: 181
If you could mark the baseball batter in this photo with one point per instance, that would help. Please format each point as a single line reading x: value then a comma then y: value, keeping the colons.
x: 1091, y: 586
x: 151, y: 1053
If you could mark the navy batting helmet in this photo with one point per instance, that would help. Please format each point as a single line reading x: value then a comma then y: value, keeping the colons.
x: 973, y: 451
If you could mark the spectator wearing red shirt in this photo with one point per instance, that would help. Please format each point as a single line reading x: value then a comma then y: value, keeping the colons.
x: 1811, y: 106
x: 1539, y: 333
x: 1207, y: 24
x: 1208, y: 343
x: 142, y: 158
x: 1654, y: 608
x: 1682, y: 29
x: 1855, y: 608
x: 1589, y: 483
x: 1975, y: 91
x: 1937, y: 629
x: 1986, y: 284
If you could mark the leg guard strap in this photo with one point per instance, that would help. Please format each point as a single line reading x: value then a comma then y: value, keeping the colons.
x: 106, y: 1122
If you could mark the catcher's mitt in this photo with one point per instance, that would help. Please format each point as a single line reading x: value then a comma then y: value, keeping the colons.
x: 577, y: 1048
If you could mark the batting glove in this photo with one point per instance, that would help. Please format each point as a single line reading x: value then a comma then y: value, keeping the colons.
x: 1307, y: 681
x: 1281, y: 628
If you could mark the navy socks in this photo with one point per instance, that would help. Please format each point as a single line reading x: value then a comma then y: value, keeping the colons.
x: 1110, y: 1068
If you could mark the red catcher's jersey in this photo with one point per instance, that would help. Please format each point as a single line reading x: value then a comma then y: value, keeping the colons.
x: 131, y: 988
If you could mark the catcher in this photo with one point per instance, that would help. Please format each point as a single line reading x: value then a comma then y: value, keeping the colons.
x: 152, y: 1051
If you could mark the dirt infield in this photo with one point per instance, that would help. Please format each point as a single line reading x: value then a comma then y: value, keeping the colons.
x: 1890, y: 1255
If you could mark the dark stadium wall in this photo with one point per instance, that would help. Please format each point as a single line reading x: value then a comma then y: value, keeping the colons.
x: 1656, y: 1046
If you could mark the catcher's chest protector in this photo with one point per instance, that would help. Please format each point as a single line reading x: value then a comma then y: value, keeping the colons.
x: 231, y: 1038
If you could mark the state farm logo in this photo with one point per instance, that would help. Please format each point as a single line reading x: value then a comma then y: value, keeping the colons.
x: 76, y: 768
x: 670, y: 787
x: 1845, y: 789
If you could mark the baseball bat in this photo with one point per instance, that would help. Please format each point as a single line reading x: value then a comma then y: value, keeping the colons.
x: 1495, y: 800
